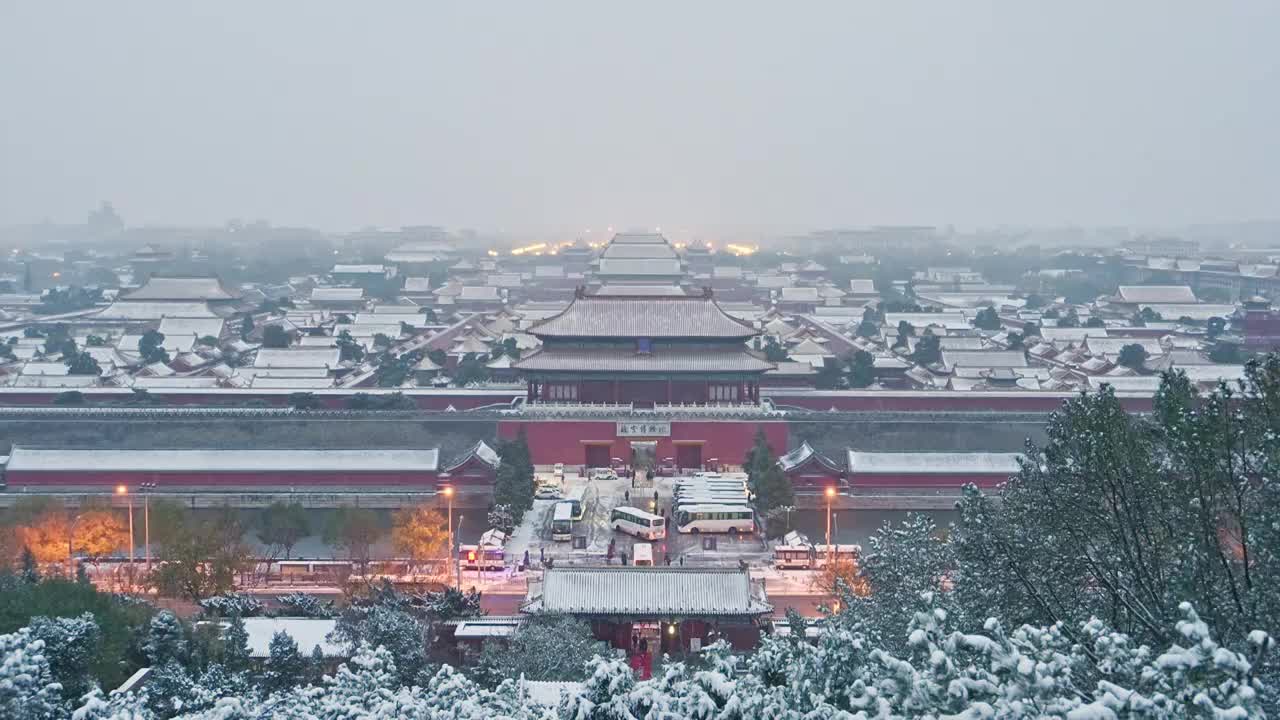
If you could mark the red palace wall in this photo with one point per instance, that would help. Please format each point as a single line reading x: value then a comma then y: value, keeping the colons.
x: 934, y: 480
x: 21, y: 479
x: 938, y: 402
x: 553, y: 441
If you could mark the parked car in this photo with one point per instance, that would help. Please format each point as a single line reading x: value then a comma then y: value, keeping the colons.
x: 547, y: 492
x: 604, y: 474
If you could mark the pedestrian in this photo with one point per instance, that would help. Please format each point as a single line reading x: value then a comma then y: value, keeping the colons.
x: 525, y: 566
x: 666, y: 558
x: 626, y: 496
x: 682, y: 561
x: 542, y: 556
x: 623, y: 556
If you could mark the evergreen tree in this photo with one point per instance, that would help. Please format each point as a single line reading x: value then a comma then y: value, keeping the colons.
x: 316, y: 665
x: 246, y: 327
x: 71, y: 646
x: 235, y: 646
x: 28, y: 690
x: 862, y: 369
x: 1132, y: 356
x: 771, y: 486
x: 928, y: 350
x: 166, y: 640
x: 285, y: 667
x: 986, y: 319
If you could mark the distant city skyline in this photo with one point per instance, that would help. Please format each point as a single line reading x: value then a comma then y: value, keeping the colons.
x: 715, y: 117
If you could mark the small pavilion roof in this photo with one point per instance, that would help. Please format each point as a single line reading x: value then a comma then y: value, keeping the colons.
x: 804, y: 454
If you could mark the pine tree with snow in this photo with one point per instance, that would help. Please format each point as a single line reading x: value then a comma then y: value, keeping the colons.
x: 285, y: 667
x: 166, y: 640
x: 27, y: 688
x: 71, y: 645
x: 235, y: 646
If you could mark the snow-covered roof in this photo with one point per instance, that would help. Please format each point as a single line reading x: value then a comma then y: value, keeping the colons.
x: 1113, y: 345
x: 919, y: 321
x: 1195, y: 311
x: 646, y: 591
x: 1076, y: 334
x: 799, y: 294
x: 358, y: 270
x: 336, y: 294
x: 182, y: 288
x: 154, y: 310
x: 983, y: 358
x: 227, y: 460
x: 181, y: 334
x: 924, y: 463
x: 1156, y: 294
x: 308, y: 633
x: 298, y: 357
x: 862, y: 286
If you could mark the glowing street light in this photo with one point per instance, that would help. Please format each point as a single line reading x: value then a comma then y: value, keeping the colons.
x: 830, y: 492
x: 448, y: 493
x: 123, y: 491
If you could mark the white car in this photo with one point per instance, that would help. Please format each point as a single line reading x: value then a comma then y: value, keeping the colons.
x: 603, y: 474
x: 547, y: 492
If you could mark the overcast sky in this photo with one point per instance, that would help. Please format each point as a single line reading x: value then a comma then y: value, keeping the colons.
x: 538, y: 115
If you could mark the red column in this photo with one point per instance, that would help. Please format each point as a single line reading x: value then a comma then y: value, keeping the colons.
x: 615, y: 392
x: 668, y: 391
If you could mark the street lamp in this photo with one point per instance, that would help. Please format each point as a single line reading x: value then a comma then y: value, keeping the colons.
x: 830, y: 492
x: 147, y: 488
x: 124, y: 492
x: 448, y: 493
x: 71, y: 534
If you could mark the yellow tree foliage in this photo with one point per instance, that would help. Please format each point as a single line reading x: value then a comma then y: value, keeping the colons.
x: 420, y: 532
x: 99, y: 533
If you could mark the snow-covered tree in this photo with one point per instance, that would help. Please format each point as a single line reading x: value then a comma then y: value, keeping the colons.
x: 543, y: 648
x: 27, y: 687
x: 70, y: 645
x: 304, y: 605
x: 166, y: 639
x: 285, y: 666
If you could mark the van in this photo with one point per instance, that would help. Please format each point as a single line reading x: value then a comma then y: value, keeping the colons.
x: 643, y: 554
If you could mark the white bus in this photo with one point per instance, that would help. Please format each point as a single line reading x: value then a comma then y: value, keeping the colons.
x: 703, y: 497
x: 643, y: 554
x: 715, y: 518
x: 575, y: 499
x: 638, y: 523
x: 722, y: 487
x: 562, y: 522
x: 813, y: 557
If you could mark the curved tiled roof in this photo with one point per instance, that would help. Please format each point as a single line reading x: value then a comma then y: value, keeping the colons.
x: 649, y: 317
x: 182, y: 288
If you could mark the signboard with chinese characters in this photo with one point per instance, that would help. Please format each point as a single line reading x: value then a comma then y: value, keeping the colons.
x: 647, y: 428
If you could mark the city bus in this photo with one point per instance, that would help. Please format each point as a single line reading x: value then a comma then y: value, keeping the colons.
x: 638, y: 523
x: 813, y: 557
x: 714, y: 496
x: 482, y: 557
x: 562, y: 522
x: 642, y: 554
x: 714, y: 518
x: 575, y: 499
